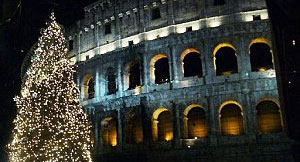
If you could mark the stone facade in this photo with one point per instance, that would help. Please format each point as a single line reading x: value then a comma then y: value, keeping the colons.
x: 115, y: 33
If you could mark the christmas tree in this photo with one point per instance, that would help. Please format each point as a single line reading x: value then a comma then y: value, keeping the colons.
x: 50, y: 125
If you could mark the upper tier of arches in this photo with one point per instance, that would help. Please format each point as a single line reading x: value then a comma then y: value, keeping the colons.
x: 192, y: 63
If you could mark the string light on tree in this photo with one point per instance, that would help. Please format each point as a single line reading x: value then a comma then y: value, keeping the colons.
x: 50, y: 125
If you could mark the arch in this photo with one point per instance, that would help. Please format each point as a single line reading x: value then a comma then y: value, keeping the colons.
x: 225, y: 65
x: 134, y: 130
x: 187, y: 51
x: 195, y: 123
x: 191, y: 63
x: 261, y: 57
x: 159, y: 75
x: 162, y: 125
x: 111, y: 81
x: 260, y: 40
x: 187, y: 109
x: 219, y: 46
x: 88, y: 86
x: 230, y: 102
x: 157, y: 112
x: 231, y: 118
x: 132, y: 75
x: 269, y: 99
x: 109, y: 131
x: 268, y: 114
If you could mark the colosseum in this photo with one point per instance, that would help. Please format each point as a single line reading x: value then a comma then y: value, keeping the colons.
x: 179, y: 81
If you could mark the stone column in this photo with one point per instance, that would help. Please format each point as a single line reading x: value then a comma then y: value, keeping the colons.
x: 102, y: 80
x: 141, y: 17
x: 213, y: 120
x: 120, y: 78
x: 176, y: 126
x: 146, y: 123
x: 209, y: 72
x: 81, y: 88
x: 146, y: 69
x: 185, y: 127
x: 78, y: 46
x: 118, y: 35
x: 174, y: 55
x: 154, y: 130
x: 141, y: 68
x: 249, y: 118
x: 244, y: 58
x: 119, y: 131
x: 100, y: 144
x: 171, y: 65
x: 170, y: 12
x: 97, y: 33
x: 97, y: 84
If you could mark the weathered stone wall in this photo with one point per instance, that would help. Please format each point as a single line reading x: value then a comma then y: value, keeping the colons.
x: 210, y: 91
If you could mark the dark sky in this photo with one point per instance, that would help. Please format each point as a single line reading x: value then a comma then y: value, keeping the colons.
x: 16, y: 38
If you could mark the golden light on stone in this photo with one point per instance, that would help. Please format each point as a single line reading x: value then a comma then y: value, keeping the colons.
x: 109, y: 135
x: 262, y: 69
x: 169, y: 136
x: 231, y: 118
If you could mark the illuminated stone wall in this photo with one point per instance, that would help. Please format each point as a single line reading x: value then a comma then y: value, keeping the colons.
x: 184, y: 26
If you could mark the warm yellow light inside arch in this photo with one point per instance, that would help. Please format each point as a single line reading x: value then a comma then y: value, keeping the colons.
x: 230, y: 102
x: 155, y: 124
x: 185, y: 119
x: 218, y: 47
x: 263, y: 127
x: 184, y: 53
x: 260, y: 40
x: 86, y: 80
x: 112, y: 134
x: 232, y: 131
x: 152, y: 65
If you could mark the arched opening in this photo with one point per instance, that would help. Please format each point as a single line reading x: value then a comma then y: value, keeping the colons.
x: 260, y: 57
x: 111, y: 82
x: 225, y: 59
x: 134, y: 76
x: 231, y: 120
x: 109, y: 131
x: 134, y: 130
x: 268, y: 117
x: 89, y: 87
x: 162, y: 126
x: 196, y: 123
x: 192, y: 65
x: 165, y: 126
x: 159, y: 69
x: 161, y: 72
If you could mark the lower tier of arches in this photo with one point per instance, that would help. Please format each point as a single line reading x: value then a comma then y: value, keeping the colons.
x: 186, y: 126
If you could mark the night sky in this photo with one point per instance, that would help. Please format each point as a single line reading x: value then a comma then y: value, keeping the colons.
x: 17, y: 36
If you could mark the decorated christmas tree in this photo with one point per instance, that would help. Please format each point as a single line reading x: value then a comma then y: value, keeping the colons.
x: 50, y: 125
